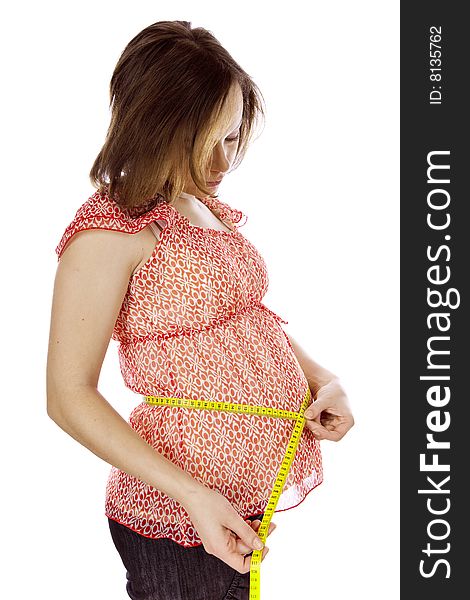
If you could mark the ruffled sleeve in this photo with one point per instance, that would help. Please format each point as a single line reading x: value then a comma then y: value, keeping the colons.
x: 225, y: 211
x: 100, y: 212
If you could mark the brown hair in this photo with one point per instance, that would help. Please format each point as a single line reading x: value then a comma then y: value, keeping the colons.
x: 166, y: 93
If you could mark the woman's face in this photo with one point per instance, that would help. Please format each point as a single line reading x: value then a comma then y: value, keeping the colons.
x: 224, y: 152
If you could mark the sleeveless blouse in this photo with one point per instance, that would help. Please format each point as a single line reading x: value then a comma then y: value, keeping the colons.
x: 193, y: 325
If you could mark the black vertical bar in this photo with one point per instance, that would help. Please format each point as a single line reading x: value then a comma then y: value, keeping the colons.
x: 435, y: 270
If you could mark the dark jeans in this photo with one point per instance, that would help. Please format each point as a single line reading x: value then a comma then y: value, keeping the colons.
x: 161, y: 569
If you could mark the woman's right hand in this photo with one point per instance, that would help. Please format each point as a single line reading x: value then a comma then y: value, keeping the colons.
x: 222, y: 531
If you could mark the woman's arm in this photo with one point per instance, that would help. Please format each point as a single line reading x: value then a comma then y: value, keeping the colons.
x: 329, y: 417
x: 317, y: 376
x: 90, y: 285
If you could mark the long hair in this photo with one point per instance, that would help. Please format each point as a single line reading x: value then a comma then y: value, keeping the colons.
x: 166, y: 95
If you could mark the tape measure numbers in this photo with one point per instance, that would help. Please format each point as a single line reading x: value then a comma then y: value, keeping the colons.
x: 281, y: 477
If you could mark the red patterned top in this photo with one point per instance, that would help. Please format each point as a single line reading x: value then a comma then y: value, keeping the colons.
x: 193, y: 325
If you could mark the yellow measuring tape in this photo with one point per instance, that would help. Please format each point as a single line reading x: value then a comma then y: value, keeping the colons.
x: 264, y: 411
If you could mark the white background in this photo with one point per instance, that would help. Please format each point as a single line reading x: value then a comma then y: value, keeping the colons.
x: 320, y: 188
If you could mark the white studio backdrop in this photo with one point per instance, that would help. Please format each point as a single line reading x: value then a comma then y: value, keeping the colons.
x: 320, y: 187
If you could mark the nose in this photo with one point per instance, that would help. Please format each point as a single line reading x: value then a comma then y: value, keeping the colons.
x: 220, y: 161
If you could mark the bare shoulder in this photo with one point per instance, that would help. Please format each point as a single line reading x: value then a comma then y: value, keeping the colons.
x: 94, y: 245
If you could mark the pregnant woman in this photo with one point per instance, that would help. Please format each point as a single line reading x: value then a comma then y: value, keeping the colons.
x: 154, y: 259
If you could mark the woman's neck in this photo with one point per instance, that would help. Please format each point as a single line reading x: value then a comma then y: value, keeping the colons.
x: 187, y: 196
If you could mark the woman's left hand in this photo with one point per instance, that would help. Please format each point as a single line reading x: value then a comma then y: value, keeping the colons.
x: 329, y: 417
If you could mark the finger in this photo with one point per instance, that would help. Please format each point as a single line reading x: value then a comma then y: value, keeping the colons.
x: 322, y: 433
x: 244, y: 531
x: 257, y: 523
x: 318, y: 430
x: 263, y: 554
x: 245, y: 560
x: 315, y: 409
x: 242, y: 547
